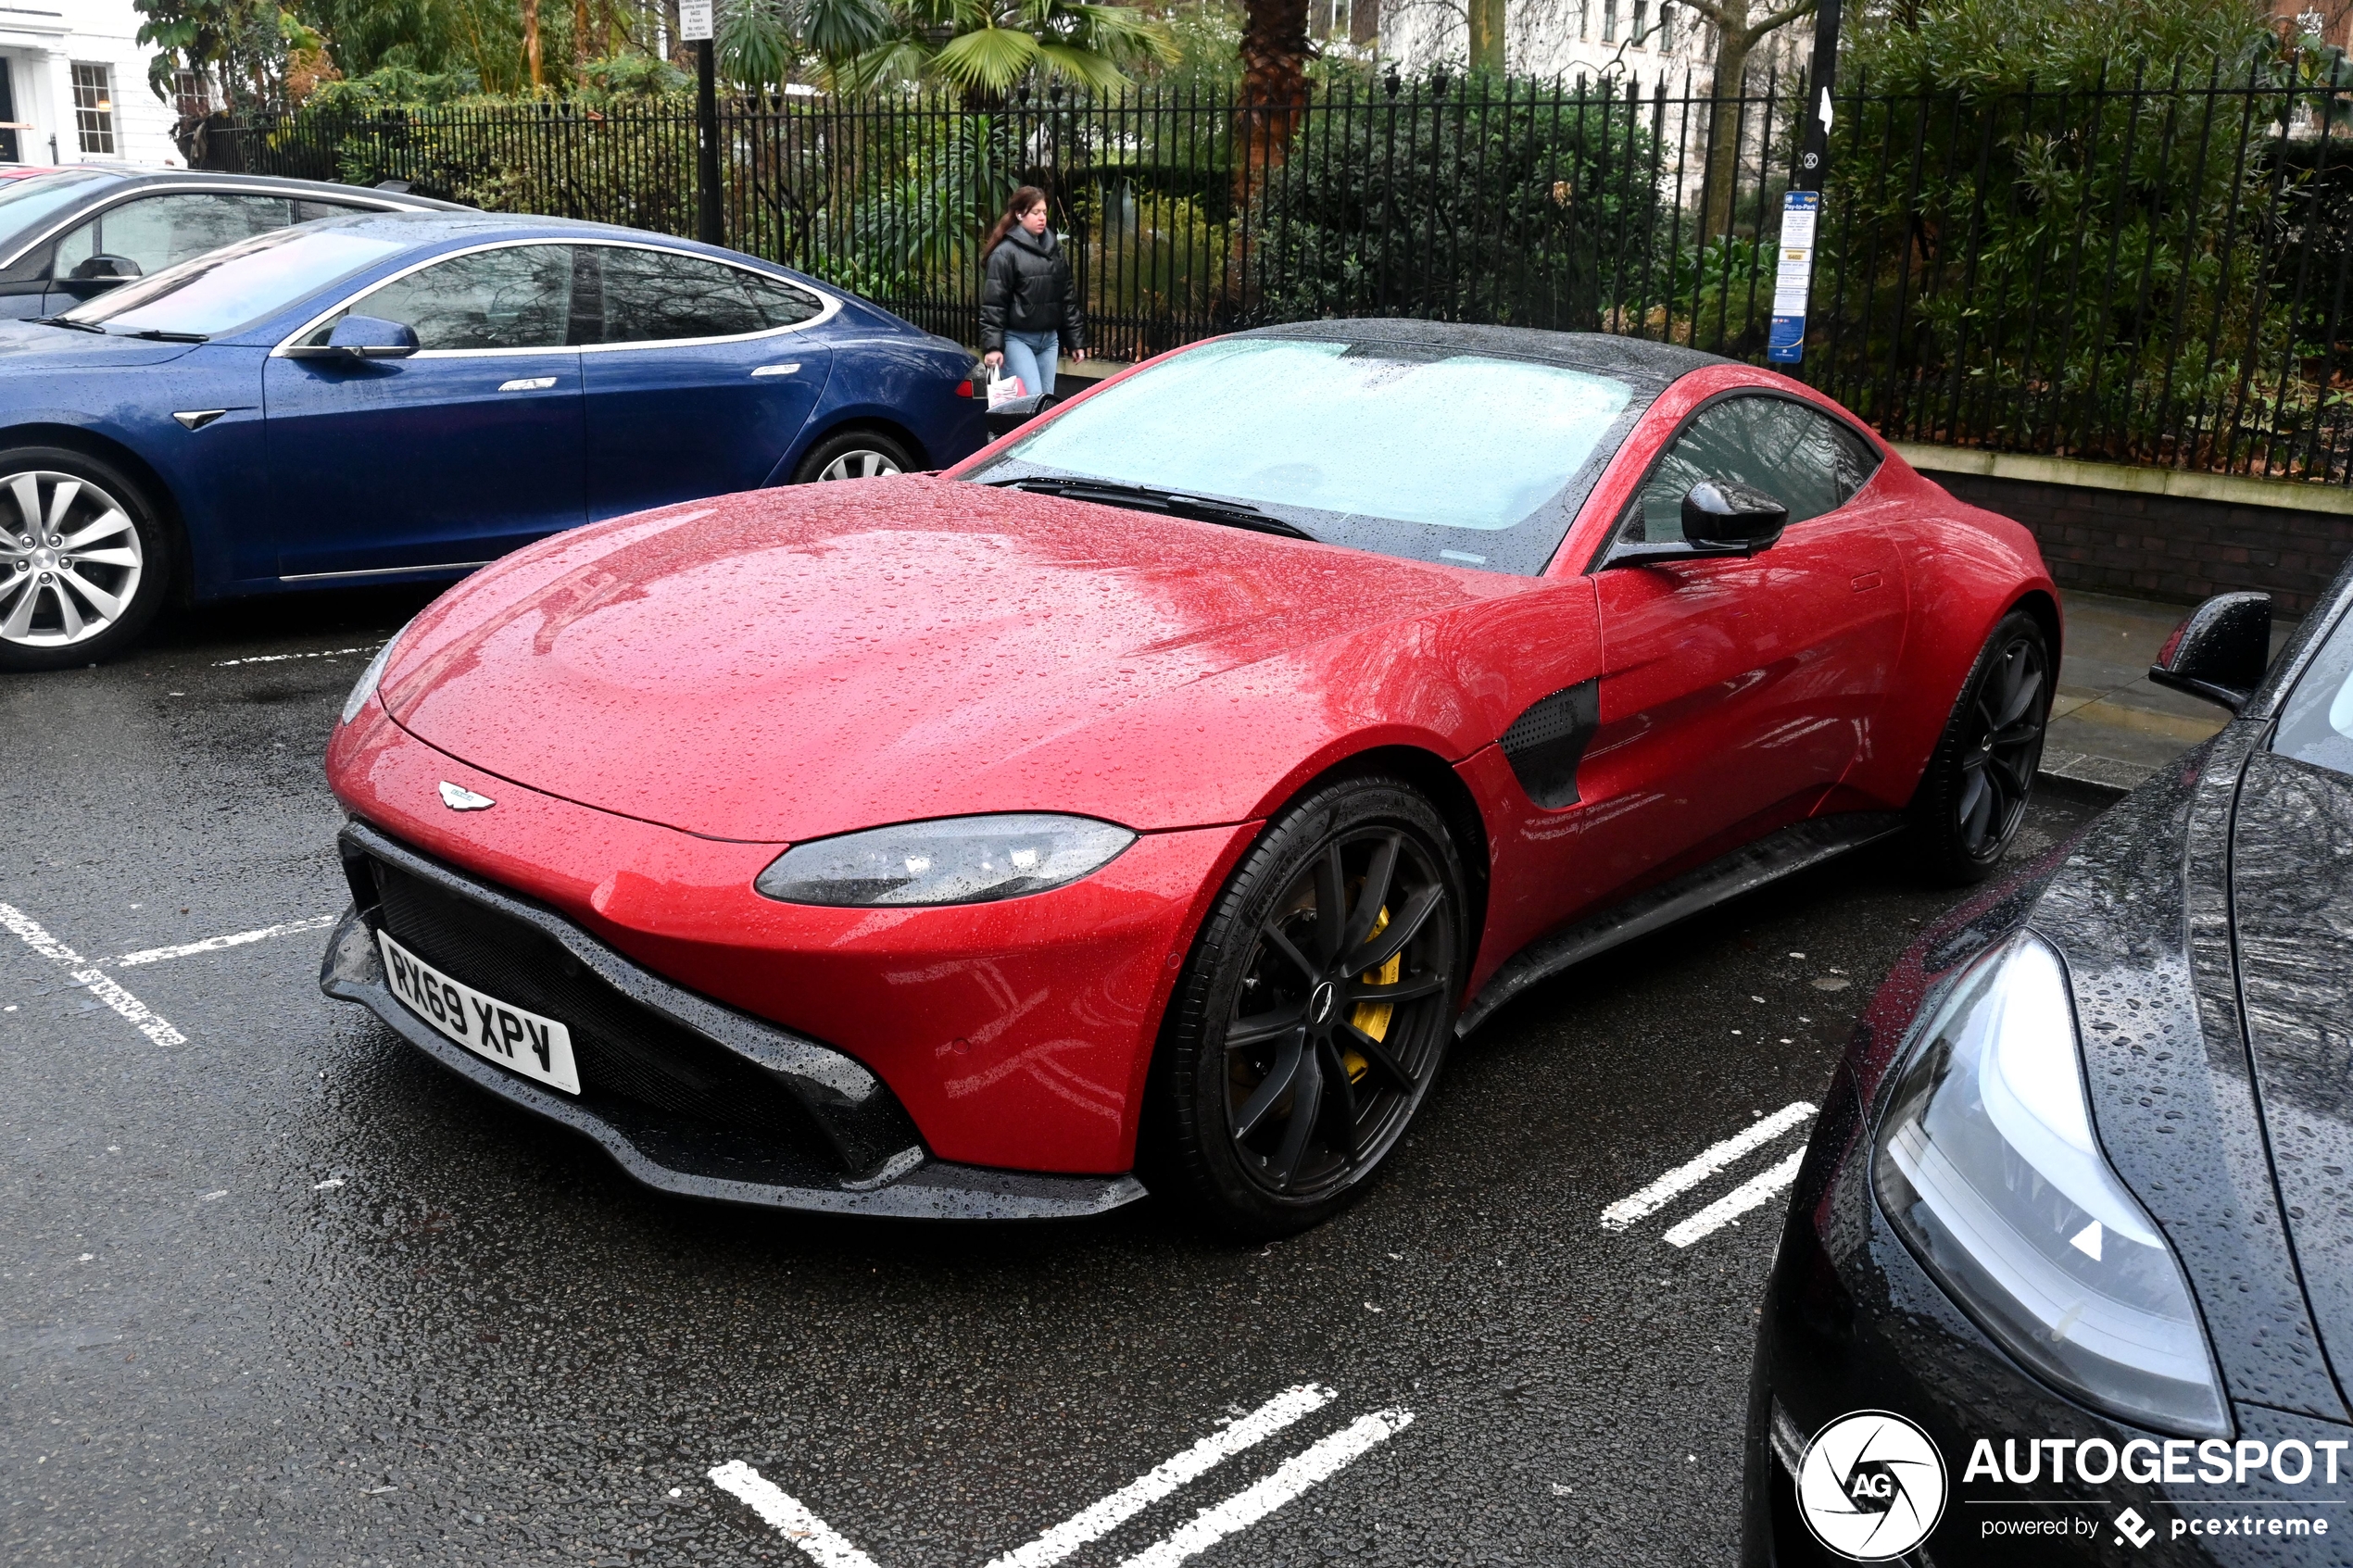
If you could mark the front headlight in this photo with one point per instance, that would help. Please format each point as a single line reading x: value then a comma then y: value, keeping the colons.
x: 1986, y: 1166
x: 366, y: 685
x: 952, y: 860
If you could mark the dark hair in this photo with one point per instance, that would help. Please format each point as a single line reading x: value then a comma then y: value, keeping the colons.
x: 1024, y: 199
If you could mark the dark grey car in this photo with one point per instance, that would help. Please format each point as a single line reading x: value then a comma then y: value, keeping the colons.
x: 68, y: 235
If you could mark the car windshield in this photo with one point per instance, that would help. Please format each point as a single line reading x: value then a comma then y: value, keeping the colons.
x: 224, y: 289
x: 27, y: 203
x: 1432, y: 454
x: 2316, y: 725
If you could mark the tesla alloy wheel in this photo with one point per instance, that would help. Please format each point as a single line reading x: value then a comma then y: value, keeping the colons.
x: 1974, y: 797
x: 84, y: 565
x: 856, y: 454
x: 1315, y: 1014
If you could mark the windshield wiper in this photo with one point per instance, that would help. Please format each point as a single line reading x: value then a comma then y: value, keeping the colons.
x: 156, y: 335
x: 70, y: 326
x: 1143, y: 498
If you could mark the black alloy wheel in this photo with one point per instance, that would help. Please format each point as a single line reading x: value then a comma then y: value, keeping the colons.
x: 1317, y: 1008
x: 1974, y: 795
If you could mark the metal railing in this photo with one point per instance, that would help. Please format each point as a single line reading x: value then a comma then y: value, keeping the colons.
x: 2140, y: 270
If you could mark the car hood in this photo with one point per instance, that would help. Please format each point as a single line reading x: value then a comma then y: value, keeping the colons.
x: 785, y: 664
x: 28, y: 348
x: 2291, y: 908
x: 2142, y: 911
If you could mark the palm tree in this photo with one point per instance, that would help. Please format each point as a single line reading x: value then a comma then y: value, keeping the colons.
x: 981, y: 48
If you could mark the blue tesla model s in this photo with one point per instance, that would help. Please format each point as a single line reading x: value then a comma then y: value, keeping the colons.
x: 404, y: 396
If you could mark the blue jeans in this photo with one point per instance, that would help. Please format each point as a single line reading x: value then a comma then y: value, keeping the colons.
x: 1031, y: 357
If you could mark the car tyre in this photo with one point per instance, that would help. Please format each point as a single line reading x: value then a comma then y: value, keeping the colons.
x: 853, y: 454
x: 1974, y: 794
x: 1291, y: 1061
x: 86, y: 559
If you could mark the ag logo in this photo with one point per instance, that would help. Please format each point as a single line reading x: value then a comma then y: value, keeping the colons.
x: 1871, y: 1486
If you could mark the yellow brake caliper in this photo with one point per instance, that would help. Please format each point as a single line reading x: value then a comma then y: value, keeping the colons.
x: 1372, y: 1018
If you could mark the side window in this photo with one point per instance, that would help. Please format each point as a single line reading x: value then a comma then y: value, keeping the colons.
x: 160, y: 231
x: 516, y: 298
x: 308, y: 211
x: 661, y: 297
x: 1809, y: 462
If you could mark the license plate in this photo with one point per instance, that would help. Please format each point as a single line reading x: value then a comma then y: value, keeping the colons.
x: 535, y: 1047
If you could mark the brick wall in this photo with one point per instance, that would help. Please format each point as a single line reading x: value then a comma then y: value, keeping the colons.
x: 2169, y: 546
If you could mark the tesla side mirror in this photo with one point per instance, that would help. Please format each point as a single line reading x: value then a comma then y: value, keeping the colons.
x: 362, y: 337
x: 1014, y: 412
x: 1719, y: 512
x: 100, y: 271
x: 2220, y: 651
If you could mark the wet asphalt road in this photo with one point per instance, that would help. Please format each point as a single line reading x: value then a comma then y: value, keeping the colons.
x: 286, y: 1292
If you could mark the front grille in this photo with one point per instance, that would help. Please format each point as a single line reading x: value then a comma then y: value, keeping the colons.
x: 621, y: 1047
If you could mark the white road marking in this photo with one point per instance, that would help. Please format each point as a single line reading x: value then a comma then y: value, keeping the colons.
x: 817, y: 1540
x: 145, y: 1020
x: 1734, y: 1204
x: 1681, y: 1179
x: 214, y: 943
x: 1246, y: 1508
x: 281, y: 658
x: 1099, y: 1519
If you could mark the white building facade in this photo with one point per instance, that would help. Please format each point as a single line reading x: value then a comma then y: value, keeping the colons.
x: 73, y: 86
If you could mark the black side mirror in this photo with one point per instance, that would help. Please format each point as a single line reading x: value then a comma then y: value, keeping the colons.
x: 1015, y: 412
x: 2221, y: 651
x: 1720, y: 517
x: 100, y: 271
x: 362, y: 337
x: 1717, y: 512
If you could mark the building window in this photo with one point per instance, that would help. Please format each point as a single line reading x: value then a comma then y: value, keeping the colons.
x: 1642, y: 22
x: 1584, y: 19
x: 1609, y: 22
x: 1666, y: 28
x: 93, y: 108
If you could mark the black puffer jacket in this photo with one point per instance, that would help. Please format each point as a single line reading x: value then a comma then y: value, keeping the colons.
x: 1026, y: 287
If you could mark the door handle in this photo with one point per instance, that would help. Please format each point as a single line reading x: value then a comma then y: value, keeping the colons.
x: 528, y: 384
x: 776, y: 370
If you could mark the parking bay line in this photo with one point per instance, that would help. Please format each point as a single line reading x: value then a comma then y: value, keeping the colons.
x: 154, y: 1025
x: 1749, y: 1195
x: 1684, y: 1177
x: 215, y: 944
x: 1099, y: 1519
x: 825, y: 1546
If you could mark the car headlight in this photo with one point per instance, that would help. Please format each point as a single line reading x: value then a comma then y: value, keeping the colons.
x: 1986, y: 1166
x: 366, y: 685
x: 952, y: 860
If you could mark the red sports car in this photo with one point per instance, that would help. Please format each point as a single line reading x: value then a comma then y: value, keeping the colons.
x: 1174, y: 780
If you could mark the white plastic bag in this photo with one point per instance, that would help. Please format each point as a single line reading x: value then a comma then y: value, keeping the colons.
x: 1004, y: 388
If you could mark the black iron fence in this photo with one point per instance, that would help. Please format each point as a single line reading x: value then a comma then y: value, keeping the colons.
x: 2144, y: 271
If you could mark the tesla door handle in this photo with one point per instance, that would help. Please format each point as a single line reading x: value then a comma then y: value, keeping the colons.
x: 528, y: 384
x: 776, y: 370
x: 1866, y: 582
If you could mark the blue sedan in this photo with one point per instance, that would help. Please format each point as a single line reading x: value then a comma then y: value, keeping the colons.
x: 404, y: 396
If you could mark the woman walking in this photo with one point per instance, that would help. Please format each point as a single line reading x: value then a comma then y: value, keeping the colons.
x: 1029, y: 307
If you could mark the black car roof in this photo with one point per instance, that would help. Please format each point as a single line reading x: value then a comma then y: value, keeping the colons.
x: 129, y: 179
x: 1650, y: 365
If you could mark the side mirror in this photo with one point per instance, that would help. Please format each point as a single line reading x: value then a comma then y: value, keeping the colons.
x: 2221, y: 651
x: 1015, y: 412
x: 98, y: 273
x: 1717, y: 512
x: 362, y: 337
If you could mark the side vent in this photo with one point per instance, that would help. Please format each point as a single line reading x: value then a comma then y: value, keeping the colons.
x: 1545, y: 744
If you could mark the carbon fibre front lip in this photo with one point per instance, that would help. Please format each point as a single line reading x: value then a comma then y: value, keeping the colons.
x: 908, y: 1186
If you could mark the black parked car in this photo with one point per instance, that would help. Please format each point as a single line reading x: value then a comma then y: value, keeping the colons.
x: 72, y: 233
x: 2078, y: 1209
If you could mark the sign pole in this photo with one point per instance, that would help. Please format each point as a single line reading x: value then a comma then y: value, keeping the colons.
x: 694, y: 27
x: 1802, y: 207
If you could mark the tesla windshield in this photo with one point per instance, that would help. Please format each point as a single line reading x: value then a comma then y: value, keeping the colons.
x: 1433, y: 454
x: 238, y: 284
